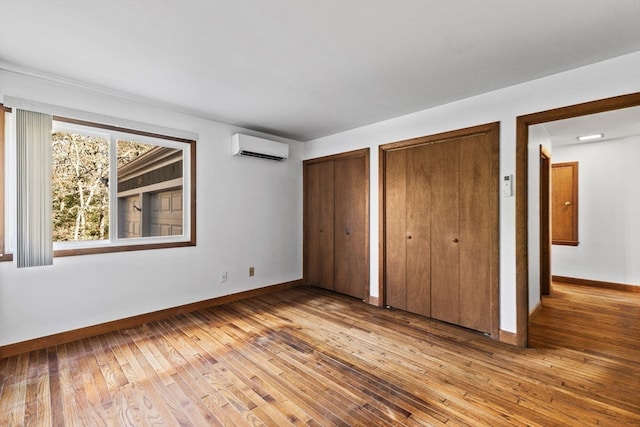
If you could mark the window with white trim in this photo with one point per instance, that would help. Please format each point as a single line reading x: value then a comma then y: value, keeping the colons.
x: 118, y: 189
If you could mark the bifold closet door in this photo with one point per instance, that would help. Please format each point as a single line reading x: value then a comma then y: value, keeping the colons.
x: 461, y: 220
x: 445, y: 239
x: 395, y: 229
x: 419, y: 251
x: 350, y: 275
x: 336, y: 223
x: 319, y: 226
x: 476, y: 223
x: 441, y: 227
x: 408, y: 230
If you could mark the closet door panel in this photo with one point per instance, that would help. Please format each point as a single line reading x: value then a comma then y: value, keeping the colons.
x: 475, y: 233
x: 441, y: 226
x: 350, y: 223
x: 444, y: 231
x: 312, y: 258
x: 319, y: 195
x: 358, y: 229
x: 418, y: 231
x: 341, y: 227
x: 395, y: 228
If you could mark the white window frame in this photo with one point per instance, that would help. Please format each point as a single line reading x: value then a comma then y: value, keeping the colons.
x: 113, y: 241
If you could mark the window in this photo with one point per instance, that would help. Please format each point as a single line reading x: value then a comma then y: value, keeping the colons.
x: 117, y: 189
x: 80, y: 182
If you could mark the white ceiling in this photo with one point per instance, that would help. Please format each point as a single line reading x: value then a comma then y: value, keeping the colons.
x: 309, y: 68
x: 612, y: 124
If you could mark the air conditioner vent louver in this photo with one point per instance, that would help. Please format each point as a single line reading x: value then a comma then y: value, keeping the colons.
x: 260, y: 155
x: 251, y: 146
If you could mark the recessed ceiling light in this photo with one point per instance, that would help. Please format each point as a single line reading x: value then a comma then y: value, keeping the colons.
x: 591, y: 137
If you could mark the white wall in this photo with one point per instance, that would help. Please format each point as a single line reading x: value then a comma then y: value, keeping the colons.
x: 601, y: 80
x: 249, y: 213
x: 608, y: 212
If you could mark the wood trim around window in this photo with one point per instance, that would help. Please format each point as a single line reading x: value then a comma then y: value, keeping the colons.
x: 144, y: 246
x: 3, y: 111
x: 120, y: 129
x: 106, y: 249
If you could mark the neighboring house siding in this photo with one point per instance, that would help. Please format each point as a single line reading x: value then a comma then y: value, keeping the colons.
x: 156, y: 209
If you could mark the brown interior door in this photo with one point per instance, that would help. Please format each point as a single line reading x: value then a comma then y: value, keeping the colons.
x: 475, y: 225
x: 564, y: 203
x: 445, y: 236
x: 395, y: 209
x: 319, y: 226
x: 545, y: 221
x: 441, y: 223
x: 418, y: 231
x: 336, y: 223
x: 350, y: 227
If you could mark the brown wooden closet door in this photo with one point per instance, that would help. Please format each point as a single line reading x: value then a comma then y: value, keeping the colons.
x: 395, y: 229
x: 319, y: 228
x: 445, y: 237
x: 441, y: 223
x: 350, y: 227
x: 475, y: 225
x: 418, y: 232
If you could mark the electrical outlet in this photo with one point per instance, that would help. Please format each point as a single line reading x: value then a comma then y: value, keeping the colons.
x: 223, y: 277
x: 252, y: 271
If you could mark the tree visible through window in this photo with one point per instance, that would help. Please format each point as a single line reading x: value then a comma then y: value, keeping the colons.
x: 80, y: 187
x: 81, y: 184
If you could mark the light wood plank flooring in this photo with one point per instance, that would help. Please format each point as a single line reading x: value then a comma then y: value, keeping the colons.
x: 310, y: 357
x: 596, y: 321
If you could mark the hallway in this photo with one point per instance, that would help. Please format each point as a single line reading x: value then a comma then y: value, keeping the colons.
x: 597, y: 321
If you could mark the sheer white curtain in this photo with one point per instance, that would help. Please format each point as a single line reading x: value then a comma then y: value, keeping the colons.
x: 34, y: 246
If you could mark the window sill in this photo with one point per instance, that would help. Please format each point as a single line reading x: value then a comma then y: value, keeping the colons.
x: 126, y: 248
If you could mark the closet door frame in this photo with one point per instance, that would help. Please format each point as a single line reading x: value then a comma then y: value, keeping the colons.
x: 493, y: 131
x: 305, y: 249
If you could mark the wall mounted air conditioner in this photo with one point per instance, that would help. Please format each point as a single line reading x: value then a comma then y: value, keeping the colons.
x: 251, y: 146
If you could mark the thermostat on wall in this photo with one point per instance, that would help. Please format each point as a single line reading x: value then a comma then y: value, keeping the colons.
x: 507, y: 186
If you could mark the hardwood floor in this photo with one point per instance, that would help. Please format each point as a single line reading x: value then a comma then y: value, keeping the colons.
x: 596, y: 321
x: 306, y: 356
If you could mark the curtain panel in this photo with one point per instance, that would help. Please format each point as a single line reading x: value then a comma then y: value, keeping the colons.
x: 34, y: 245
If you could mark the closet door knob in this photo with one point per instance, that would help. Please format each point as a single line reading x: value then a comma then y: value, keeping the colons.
x: 346, y: 231
x: 455, y: 240
x: 409, y: 237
